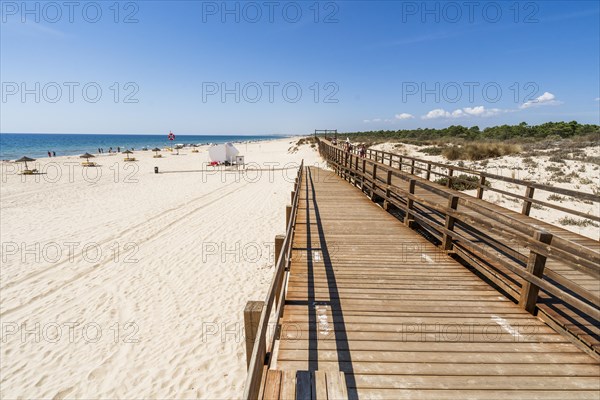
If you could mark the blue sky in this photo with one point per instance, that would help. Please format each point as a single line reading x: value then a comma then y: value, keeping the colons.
x: 198, y: 67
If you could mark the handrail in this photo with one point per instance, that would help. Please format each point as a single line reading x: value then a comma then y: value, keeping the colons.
x: 547, y: 188
x: 482, y: 185
x: 486, y: 222
x: 259, y: 349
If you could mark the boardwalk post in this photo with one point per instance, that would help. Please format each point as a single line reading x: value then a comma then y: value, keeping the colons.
x: 450, y: 174
x: 400, y: 163
x: 351, y: 174
x: 373, y: 182
x: 251, y: 320
x: 535, y: 266
x: 292, y: 196
x: 356, y: 171
x: 388, y: 182
x: 527, y: 204
x: 412, y: 166
x: 449, y: 225
x: 428, y: 174
x: 409, y: 219
x: 481, y: 187
x: 362, y: 179
x: 288, y: 215
x: 278, y: 245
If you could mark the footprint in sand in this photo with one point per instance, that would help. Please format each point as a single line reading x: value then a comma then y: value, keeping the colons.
x: 62, y: 394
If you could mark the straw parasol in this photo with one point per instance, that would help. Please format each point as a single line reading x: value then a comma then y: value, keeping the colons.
x: 156, y: 150
x: 25, y: 160
x: 87, y: 157
x: 127, y: 158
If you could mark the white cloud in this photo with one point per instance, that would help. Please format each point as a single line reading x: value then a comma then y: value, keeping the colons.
x: 479, y: 111
x: 366, y: 121
x: 377, y: 120
x: 597, y: 99
x: 404, y: 116
x: 547, y: 99
x: 437, y: 113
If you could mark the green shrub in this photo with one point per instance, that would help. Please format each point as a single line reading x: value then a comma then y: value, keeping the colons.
x: 462, y: 182
x: 577, y: 222
x: 480, y: 151
x: 432, y: 150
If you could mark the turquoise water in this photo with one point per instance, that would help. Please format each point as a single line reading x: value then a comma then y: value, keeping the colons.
x: 14, y: 146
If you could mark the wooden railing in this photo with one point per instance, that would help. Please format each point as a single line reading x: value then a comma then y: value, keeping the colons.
x: 469, y: 227
x: 431, y: 170
x: 258, y: 314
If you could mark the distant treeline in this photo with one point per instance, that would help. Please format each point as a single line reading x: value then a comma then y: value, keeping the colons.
x: 502, y: 132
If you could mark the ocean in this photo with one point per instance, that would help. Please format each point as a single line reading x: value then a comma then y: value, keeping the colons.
x: 13, y: 146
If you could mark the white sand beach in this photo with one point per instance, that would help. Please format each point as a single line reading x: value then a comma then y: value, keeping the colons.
x: 130, y: 284
x: 117, y: 282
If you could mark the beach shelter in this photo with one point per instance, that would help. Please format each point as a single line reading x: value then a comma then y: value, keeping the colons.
x: 87, y: 157
x: 156, y: 150
x: 223, y: 153
x: 25, y: 160
x: 127, y: 158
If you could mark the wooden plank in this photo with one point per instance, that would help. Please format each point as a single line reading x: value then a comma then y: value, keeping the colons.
x: 319, y: 386
x: 251, y: 319
x: 483, y: 382
x: 303, y: 385
x: 449, y: 394
x: 272, y: 385
x: 336, y: 385
x: 288, y: 385
x: 397, y: 372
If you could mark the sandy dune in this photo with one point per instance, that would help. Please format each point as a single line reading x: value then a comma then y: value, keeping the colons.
x: 132, y: 284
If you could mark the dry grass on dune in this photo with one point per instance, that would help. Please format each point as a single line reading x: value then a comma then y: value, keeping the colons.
x: 480, y: 151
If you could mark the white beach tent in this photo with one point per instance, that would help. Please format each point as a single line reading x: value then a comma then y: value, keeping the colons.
x: 223, y: 152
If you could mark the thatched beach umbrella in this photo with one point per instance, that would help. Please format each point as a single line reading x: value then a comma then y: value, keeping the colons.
x: 156, y: 150
x: 25, y: 160
x: 87, y: 162
x: 128, y: 152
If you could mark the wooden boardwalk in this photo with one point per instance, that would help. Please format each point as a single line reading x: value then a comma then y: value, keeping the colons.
x: 374, y: 310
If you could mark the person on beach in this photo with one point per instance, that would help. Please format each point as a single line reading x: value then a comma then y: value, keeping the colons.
x: 53, y: 154
x: 110, y: 150
x: 49, y: 154
x: 119, y: 149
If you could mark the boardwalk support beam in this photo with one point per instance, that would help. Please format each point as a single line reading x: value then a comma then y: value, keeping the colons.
x: 288, y: 214
x: 449, y: 225
x: 388, y: 182
x: 527, y: 204
x: 278, y: 245
x: 409, y: 219
x: 535, y: 266
x: 251, y: 320
x: 481, y: 187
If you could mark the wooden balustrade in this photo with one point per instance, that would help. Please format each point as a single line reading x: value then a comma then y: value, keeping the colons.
x: 258, y: 314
